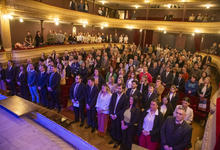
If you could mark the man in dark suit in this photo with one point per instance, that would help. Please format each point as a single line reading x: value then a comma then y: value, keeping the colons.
x: 91, y: 98
x: 42, y: 85
x: 148, y: 97
x: 117, y: 105
x: 133, y: 91
x: 166, y: 78
x: 77, y: 96
x: 176, y: 133
x: 54, y: 88
x: 179, y: 82
x: 10, y: 78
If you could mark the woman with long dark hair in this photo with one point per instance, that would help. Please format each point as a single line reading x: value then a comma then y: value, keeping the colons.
x: 129, y: 122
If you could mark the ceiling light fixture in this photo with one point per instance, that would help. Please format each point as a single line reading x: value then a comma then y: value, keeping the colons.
x: 56, y: 21
x: 168, y: 5
x: 8, y: 16
x: 136, y: 6
x: 193, y: 34
x: 208, y: 6
x: 141, y: 30
x: 165, y: 32
x: 21, y: 20
x: 103, y: 2
x: 147, y: 1
x: 102, y: 27
x: 130, y: 27
x: 197, y: 31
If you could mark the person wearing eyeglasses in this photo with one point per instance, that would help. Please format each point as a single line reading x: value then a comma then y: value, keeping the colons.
x: 176, y: 133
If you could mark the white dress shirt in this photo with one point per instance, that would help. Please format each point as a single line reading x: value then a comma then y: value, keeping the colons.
x: 117, y: 100
x: 163, y: 109
x: 149, y: 120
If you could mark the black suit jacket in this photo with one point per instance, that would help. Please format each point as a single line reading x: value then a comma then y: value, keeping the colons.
x: 144, y: 89
x: 80, y: 95
x: 122, y: 103
x: 147, y: 100
x: 10, y: 74
x: 54, y: 84
x: 22, y: 79
x: 154, y: 72
x: 173, y: 100
x: 42, y: 80
x: 136, y: 92
x: 91, y: 96
x: 167, y: 80
x: 180, y: 84
x: 2, y: 74
x: 179, y: 138
x: 155, y: 132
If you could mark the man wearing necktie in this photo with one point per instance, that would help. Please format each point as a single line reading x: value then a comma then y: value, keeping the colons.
x: 54, y: 88
x: 118, y: 103
x: 42, y: 85
x: 148, y: 97
x: 91, y: 98
x: 133, y: 91
x: 10, y: 78
x: 77, y: 96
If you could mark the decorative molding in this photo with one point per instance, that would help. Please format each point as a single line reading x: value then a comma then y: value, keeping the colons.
x: 37, y: 10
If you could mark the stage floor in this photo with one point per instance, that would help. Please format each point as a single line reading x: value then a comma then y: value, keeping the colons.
x: 23, y: 133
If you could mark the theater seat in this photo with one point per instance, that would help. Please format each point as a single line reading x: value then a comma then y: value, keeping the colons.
x: 202, y: 115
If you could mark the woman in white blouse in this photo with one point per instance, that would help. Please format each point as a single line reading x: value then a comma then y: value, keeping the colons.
x: 102, y: 107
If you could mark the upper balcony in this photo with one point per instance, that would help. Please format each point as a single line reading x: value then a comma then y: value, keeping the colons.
x: 29, y: 9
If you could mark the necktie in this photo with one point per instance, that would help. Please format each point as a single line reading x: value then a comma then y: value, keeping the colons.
x: 141, y: 87
x: 131, y: 92
x: 51, y: 77
x: 75, y: 90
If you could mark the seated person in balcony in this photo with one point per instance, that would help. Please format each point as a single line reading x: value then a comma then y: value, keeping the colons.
x: 60, y: 38
x: 126, y: 39
x: 103, y: 11
x: 51, y: 38
x: 81, y: 6
x: 199, y: 17
x: 72, y: 4
x: 86, y: 7
x: 72, y: 39
x: 133, y: 17
x: 192, y: 18
x: 176, y: 134
x: 100, y: 11
x: 28, y: 40
x: 189, y: 112
x: 38, y: 39
x: 204, y: 92
x: 191, y: 86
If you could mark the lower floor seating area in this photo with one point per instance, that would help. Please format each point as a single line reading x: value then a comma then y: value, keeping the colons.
x: 124, y: 94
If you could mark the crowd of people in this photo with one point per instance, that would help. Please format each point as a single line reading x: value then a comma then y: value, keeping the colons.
x: 60, y: 38
x: 137, y: 90
x: 202, y: 18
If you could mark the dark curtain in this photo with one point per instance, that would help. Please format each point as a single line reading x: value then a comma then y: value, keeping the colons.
x: 149, y: 36
x: 197, y: 41
x: 136, y: 37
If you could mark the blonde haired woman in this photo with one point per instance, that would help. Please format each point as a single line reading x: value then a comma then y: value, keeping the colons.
x: 204, y: 92
x: 102, y: 107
